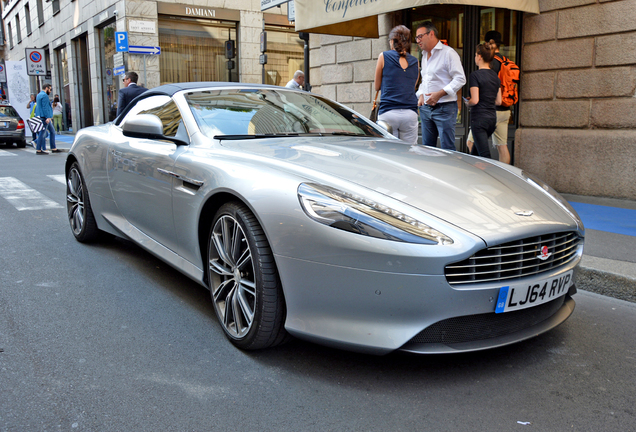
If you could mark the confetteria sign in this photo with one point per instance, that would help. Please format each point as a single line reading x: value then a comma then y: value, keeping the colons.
x: 320, y: 16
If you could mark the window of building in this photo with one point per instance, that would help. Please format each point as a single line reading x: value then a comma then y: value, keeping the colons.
x: 194, y: 50
x: 56, y: 6
x: 10, y: 34
x: 17, y: 28
x: 285, y: 55
x: 40, y: 12
x: 27, y: 17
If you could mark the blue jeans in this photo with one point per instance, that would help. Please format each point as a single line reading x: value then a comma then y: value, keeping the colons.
x: 41, y: 145
x: 439, y: 120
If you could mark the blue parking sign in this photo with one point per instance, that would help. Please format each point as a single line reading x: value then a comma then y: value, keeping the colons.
x: 121, y: 41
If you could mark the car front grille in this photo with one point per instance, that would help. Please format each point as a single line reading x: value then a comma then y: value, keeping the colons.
x: 515, y: 259
x: 472, y: 328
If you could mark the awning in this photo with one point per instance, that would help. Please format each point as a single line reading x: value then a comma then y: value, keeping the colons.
x: 360, y: 17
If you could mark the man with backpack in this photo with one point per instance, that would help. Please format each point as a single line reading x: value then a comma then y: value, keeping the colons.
x: 508, y: 73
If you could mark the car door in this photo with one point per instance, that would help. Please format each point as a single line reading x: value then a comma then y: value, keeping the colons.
x: 139, y: 172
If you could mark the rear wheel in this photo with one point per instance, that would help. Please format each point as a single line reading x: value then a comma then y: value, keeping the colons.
x: 21, y: 144
x: 78, y: 206
x: 244, y: 283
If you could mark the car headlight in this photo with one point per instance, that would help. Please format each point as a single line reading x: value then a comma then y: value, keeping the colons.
x: 363, y: 216
x: 554, y: 195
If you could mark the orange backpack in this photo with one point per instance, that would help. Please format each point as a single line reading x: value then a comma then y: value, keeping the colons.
x: 509, y: 77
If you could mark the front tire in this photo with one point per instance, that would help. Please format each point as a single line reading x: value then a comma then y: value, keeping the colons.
x: 78, y: 206
x: 244, y: 283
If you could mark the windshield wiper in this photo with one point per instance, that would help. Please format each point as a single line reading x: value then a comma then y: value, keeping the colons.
x: 346, y: 133
x: 256, y: 136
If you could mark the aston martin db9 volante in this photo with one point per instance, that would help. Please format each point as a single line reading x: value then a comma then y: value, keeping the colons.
x: 304, y: 218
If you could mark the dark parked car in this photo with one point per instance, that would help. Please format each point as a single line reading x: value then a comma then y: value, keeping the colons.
x: 11, y: 126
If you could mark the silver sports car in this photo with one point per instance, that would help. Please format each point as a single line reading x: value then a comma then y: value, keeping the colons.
x: 304, y: 218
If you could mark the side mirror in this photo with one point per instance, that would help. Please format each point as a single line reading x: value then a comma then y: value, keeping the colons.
x: 385, y: 125
x: 143, y: 126
x: 147, y: 126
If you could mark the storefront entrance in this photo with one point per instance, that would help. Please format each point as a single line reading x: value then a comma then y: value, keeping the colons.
x: 463, y: 27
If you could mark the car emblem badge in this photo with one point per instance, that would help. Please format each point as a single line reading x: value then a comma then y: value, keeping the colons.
x: 524, y: 213
x: 544, y: 253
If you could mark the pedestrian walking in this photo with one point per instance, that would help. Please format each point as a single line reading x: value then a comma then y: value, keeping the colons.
x: 396, y: 75
x: 57, y: 114
x: 44, y: 110
x: 31, y: 107
x: 442, y: 77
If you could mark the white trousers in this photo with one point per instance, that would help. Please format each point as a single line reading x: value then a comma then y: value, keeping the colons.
x: 403, y: 122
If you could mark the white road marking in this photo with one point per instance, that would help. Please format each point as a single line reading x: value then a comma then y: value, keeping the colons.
x: 58, y: 177
x: 6, y: 153
x: 22, y: 197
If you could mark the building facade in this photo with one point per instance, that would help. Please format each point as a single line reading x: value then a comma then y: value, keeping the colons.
x: 81, y: 52
x: 575, y: 124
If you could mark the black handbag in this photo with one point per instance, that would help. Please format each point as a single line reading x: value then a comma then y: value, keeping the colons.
x: 376, y: 107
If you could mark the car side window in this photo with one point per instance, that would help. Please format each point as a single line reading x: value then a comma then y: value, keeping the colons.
x: 170, y: 117
x: 146, y: 104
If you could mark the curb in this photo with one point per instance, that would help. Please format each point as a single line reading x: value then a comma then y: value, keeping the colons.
x: 607, y: 277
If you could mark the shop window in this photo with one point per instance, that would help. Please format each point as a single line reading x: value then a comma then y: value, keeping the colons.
x: 285, y: 55
x: 65, y: 95
x: 109, y: 89
x: 194, y: 51
x: 505, y: 22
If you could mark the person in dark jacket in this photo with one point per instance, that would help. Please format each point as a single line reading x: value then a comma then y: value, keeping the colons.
x: 128, y: 93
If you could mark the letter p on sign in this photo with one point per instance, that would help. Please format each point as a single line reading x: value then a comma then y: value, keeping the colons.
x: 121, y: 41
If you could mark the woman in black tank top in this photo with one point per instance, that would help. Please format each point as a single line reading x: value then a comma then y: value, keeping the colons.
x: 485, y: 94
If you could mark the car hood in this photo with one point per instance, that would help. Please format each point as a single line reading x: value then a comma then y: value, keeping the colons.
x: 472, y: 193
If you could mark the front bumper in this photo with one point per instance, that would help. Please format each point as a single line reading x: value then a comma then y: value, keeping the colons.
x: 379, y: 312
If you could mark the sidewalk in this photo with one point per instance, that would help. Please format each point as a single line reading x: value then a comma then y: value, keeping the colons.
x: 609, y: 257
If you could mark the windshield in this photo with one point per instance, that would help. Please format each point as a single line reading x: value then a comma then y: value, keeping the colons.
x: 251, y: 113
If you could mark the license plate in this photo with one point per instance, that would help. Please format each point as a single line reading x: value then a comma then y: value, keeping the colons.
x: 4, y: 124
x: 516, y: 297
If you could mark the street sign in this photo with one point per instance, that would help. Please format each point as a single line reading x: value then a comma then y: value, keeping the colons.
x: 148, y: 50
x: 121, y: 41
x: 36, y: 65
x: 3, y: 74
x: 268, y: 4
x: 118, y: 59
x: 119, y: 70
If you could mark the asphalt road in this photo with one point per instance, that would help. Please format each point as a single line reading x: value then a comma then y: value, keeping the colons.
x: 106, y: 337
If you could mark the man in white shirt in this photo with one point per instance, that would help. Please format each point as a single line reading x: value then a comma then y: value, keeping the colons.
x: 298, y: 81
x: 442, y: 77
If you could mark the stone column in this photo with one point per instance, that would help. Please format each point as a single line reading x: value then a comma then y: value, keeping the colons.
x: 578, y: 107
